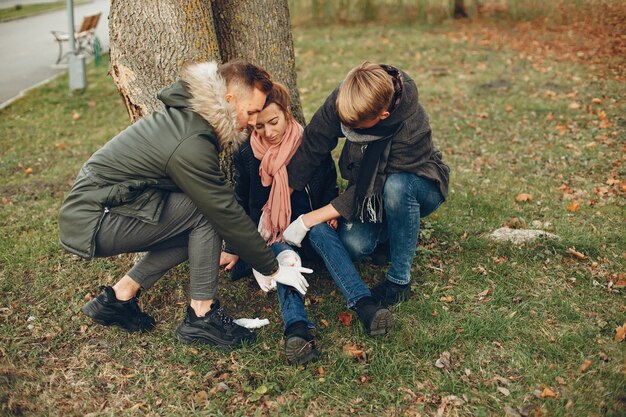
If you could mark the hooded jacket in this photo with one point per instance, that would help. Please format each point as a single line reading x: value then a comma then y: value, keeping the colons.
x: 411, y: 147
x: 176, y: 149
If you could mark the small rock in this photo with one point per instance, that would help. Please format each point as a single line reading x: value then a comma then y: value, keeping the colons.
x: 519, y: 236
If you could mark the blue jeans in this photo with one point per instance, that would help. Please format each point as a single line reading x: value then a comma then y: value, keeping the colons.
x: 326, y: 243
x: 290, y: 300
x: 406, y: 198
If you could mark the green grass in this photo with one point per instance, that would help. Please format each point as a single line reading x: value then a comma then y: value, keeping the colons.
x: 546, y: 312
x: 20, y: 11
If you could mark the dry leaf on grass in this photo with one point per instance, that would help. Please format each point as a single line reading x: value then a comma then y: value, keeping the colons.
x: 576, y: 254
x: 523, y: 197
x: 573, y: 207
x: 444, y: 361
x: 345, y: 318
x: 356, y: 352
x: 548, y: 393
x: 585, y: 365
x: 447, y: 299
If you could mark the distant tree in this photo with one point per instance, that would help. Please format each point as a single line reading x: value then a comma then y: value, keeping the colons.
x: 459, y: 9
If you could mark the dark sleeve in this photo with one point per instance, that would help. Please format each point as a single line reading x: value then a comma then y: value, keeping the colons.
x: 330, y: 189
x: 194, y: 167
x: 242, y: 182
x: 319, y: 138
x: 344, y: 203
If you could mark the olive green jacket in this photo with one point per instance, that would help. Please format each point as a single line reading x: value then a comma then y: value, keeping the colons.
x: 176, y: 149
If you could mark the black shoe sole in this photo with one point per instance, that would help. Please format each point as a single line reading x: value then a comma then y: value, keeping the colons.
x: 189, y: 335
x: 299, y: 351
x: 91, y: 310
x: 382, y: 322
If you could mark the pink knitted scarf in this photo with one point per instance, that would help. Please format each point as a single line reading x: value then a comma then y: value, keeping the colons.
x: 274, y: 158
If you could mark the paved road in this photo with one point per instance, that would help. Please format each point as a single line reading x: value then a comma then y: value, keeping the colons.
x: 28, y: 50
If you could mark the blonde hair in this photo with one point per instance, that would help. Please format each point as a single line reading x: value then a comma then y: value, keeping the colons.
x: 364, y: 94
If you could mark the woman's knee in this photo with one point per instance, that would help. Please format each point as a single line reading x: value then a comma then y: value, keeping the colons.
x: 357, y: 245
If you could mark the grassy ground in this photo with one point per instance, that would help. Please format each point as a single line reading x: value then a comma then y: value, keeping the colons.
x: 25, y: 10
x: 514, y: 330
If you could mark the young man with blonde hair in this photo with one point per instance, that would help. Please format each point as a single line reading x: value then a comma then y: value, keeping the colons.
x: 395, y: 176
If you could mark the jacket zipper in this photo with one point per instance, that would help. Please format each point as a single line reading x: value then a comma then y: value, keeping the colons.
x: 93, y: 238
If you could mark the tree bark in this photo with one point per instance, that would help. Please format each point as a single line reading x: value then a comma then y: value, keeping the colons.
x: 260, y: 32
x: 151, y: 41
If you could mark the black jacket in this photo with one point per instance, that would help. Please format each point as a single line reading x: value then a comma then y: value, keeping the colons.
x: 252, y: 195
x: 412, y: 149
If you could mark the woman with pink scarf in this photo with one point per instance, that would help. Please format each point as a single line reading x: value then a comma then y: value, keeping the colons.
x: 262, y: 188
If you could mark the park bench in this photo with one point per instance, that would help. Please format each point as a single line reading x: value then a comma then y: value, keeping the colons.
x: 85, y: 37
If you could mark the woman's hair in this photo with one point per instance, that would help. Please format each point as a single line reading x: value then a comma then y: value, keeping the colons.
x: 364, y: 94
x: 279, y: 95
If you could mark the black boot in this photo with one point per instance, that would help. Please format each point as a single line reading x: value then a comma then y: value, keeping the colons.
x: 299, y: 344
x: 376, y: 320
x: 107, y: 310
x: 388, y: 293
x: 215, y: 328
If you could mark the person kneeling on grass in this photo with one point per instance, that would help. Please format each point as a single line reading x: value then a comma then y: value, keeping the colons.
x: 157, y: 187
x: 261, y: 187
x: 395, y: 174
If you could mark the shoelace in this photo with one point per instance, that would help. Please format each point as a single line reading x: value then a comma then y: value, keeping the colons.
x: 224, y: 317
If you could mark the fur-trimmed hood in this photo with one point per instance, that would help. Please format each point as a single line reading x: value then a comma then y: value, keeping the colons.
x: 203, y: 90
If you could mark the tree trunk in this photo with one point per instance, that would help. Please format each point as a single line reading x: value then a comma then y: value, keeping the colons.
x: 149, y: 44
x: 459, y: 9
x: 260, y: 32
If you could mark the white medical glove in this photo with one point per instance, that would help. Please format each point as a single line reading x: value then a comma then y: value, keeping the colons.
x: 295, y: 232
x: 290, y: 276
x: 265, y: 234
x: 289, y: 258
x: 265, y: 283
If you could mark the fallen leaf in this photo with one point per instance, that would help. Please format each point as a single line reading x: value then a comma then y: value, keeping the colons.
x: 573, y: 207
x: 200, y: 396
x: 483, y: 294
x: 523, y: 197
x: 560, y: 380
x: 586, y: 364
x: 596, y: 101
x: 504, y: 391
x: 576, y: 254
x: 75, y: 115
x: 444, y: 361
x: 321, y: 371
x: 574, y: 105
x: 345, y: 318
x: 508, y: 108
x: 548, y: 393
x: 620, y: 333
x: 325, y: 323
x: 28, y: 171
x: 355, y: 352
x: 447, y: 299
x: 60, y: 145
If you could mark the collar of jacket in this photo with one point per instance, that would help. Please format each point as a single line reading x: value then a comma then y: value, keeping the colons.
x: 208, y: 91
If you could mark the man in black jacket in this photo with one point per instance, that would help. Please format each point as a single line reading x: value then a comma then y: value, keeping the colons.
x: 395, y: 174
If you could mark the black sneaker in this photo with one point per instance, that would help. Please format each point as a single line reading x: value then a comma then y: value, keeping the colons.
x: 299, y: 344
x: 388, y: 293
x: 107, y: 310
x: 215, y: 328
x: 376, y: 320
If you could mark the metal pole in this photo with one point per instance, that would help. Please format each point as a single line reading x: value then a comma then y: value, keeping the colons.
x: 70, y: 24
x: 76, y: 63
